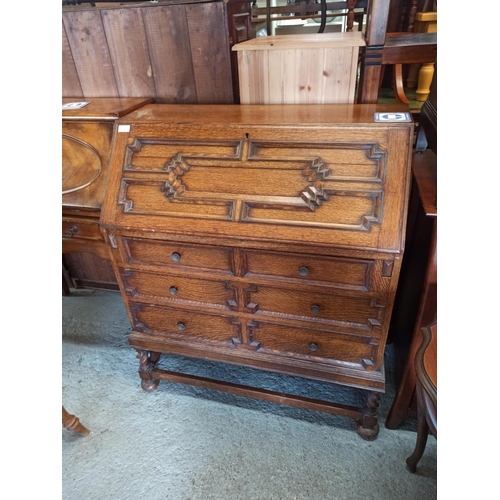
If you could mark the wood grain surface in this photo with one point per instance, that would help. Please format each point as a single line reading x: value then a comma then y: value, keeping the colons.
x: 176, y: 52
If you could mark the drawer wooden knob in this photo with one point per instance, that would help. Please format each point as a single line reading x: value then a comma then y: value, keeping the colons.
x: 176, y: 257
x: 313, y: 346
x: 181, y: 326
x: 72, y: 231
x: 173, y: 290
x: 315, y: 308
x: 303, y: 271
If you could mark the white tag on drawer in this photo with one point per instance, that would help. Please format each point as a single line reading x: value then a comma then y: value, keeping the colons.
x: 123, y: 128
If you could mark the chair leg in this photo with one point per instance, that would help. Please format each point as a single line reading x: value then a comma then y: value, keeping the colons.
x: 424, y: 82
x: 422, y: 435
x: 72, y: 423
x: 398, y: 84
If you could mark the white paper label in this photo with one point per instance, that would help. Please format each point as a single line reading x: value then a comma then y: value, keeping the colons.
x: 74, y: 105
x: 392, y: 117
x: 123, y: 128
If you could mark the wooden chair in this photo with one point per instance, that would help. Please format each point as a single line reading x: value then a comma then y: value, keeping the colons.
x: 415, y: 16
x: 73, y: 423
x: 420, y: 76
x: 426, y: 387
x: 384, y: 48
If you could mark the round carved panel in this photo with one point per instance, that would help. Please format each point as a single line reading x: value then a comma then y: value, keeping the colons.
x: 81, y: 164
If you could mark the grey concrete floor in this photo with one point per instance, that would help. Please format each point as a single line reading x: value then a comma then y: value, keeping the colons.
x: 185, y: 443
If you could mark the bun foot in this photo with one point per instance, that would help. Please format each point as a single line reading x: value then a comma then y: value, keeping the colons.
x: 149, y: 385
x: 147, y: 361
x: 368, y: 427
x: 368, y: 433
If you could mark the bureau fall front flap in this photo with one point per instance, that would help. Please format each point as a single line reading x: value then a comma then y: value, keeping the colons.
x: 254, y: 172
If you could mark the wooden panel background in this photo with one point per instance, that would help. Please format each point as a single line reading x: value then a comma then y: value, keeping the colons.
x: 295, y: 76
x: 175, y: 52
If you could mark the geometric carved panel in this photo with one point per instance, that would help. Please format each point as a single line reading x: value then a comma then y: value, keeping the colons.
x: 305, y: 184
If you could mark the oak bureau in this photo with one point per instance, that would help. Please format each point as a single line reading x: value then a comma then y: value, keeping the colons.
x: 268, y: 236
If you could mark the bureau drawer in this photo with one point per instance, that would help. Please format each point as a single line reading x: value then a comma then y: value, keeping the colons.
x: 359, y: 312
x: 78, y: 229
x: 177, y: 255
x: 178, y: 289
x: 354, y: 274
x: 313, y: 344
x: 185, y: 325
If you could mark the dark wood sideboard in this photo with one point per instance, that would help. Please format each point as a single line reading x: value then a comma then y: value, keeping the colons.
x: 87, y: 134
x: 264, y: 236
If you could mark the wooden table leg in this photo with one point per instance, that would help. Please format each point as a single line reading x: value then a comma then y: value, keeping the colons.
x: 72, y: 423
x: 368, y: 427
x: 426, y: 390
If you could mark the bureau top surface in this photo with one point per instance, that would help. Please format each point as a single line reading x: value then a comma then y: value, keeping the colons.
x: 267, y: 115
x: 103, y: 108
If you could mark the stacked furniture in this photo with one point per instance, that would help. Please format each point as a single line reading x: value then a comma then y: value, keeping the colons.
x: 263, y: 236
x: 87, y: 134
